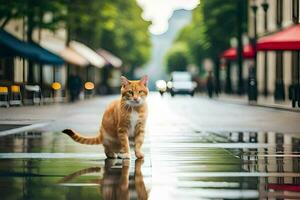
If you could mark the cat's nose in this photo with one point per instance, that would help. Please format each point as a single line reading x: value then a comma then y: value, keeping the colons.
x: 136, y: 99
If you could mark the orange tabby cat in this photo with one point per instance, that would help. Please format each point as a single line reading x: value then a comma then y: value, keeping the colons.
x: 123, y: 119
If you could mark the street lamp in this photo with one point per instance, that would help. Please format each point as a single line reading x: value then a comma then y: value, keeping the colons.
x: 239, y: 49
x: 252, y: 84
x: 279, y: 83
x: 265, y: 6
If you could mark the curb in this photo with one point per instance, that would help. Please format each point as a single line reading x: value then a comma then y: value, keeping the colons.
x: 297, y: 110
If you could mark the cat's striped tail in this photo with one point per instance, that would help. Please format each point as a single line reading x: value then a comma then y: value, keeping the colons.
x: 82, y: 139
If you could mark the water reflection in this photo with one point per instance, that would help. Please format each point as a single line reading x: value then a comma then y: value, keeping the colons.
x: 116, y: 182
x: 193, y: 165
x: 281, y: 158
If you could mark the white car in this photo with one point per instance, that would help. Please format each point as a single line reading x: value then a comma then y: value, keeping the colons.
x: 181, y: 83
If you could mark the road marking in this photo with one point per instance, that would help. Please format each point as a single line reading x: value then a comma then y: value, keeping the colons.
x: 159, y: 144
x: 51, y: 155
x: 235, y: 174
x: 24, y: 128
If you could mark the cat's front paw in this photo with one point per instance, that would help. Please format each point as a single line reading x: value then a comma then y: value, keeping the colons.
x: 124, y: 155
x: 111, y: 155
x: 139, y: 154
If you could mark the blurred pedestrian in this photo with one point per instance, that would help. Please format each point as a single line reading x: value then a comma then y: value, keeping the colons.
x: 210, y: 84
x: 74, y: 86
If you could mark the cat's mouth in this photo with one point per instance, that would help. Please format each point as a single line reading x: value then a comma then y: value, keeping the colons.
x: 135, y: 102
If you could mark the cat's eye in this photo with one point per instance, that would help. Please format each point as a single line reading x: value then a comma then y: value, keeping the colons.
x: 140, y: 91
x: 130, y: 92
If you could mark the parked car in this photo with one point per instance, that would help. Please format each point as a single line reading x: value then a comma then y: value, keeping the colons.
x: 181, y: 83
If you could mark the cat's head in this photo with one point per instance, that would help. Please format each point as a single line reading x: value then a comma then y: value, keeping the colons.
x: 134, y: 93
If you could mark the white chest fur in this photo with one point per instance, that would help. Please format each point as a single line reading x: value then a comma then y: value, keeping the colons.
x: 134, y: 116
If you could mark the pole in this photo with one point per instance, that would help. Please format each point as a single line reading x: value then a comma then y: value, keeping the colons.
x: 29, y: 32
x: 41, y: 77
x: 240, y: 47
x: 296, y: 61
x: 265, y: 7
x: 228, y: 86
x: 279, y: 83
x: 252, y: 84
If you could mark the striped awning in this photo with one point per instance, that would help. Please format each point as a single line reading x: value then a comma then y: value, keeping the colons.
x: 69, y: 55
x: 110, y: 58
x: 86, y: 52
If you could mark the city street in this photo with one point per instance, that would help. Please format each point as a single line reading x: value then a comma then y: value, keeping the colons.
x: 195, y: 148
x: 223, y: 108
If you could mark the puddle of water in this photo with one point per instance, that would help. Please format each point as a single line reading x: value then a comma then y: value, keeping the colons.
x: 37, y: 165
x: 236, y: 165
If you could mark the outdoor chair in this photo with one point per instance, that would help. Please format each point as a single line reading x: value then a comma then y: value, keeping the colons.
x: 33, y: 94
x: 15, y: 95
x: 4, y: 101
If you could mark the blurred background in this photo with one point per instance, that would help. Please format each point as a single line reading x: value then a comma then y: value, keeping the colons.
x: 52, y: 51
x: 223, y: 108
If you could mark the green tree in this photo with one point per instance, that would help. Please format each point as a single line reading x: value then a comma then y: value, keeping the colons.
x: 177, y: 58
x: 213, y: 24
x: 113, y: 25
x: 46, y: 14
x: 9, y: 10
x: 194, y: 35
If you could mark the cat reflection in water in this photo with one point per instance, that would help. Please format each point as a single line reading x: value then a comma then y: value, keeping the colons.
x: 116, y: 183
x: 124, y: 119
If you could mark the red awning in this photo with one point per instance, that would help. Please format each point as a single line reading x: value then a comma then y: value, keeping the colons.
x: 287, y: 187
x: 288, y: 39
x: 230, y: 54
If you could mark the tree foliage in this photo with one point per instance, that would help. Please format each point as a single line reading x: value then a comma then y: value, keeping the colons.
x: 177, y: 58
x: 213, y: 24
x: 194, y: 35
x: 113, y: 25
x: 44, y: 14
x: 116, y: 26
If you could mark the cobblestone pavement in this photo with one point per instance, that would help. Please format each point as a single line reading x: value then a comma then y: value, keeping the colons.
x: 195, y: 149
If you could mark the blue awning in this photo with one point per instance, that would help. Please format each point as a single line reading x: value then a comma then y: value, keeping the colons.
x: 12, y: 46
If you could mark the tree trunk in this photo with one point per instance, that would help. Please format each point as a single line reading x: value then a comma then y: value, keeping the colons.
x: 29, y: 33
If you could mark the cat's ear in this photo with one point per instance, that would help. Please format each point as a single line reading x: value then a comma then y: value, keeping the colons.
x: 144, y: 80
x: 124, y: 81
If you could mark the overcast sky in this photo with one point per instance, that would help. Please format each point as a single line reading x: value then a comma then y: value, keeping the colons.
x: 160, y: 11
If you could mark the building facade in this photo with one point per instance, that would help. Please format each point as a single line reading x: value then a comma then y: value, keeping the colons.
x: 275, y: 70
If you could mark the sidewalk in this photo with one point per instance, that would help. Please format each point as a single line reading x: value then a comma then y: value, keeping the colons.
x: 262, y: 101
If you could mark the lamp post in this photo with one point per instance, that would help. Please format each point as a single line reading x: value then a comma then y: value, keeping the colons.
x: 240, y: 47
x: 295, y: 87
x: 252, y: 84
x: 279, y: 82
x: 265, y: 7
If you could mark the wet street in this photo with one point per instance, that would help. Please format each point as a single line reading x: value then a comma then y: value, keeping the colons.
x: 195, y: 148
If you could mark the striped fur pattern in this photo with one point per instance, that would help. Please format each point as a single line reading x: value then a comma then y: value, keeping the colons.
x: 123, y: 118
